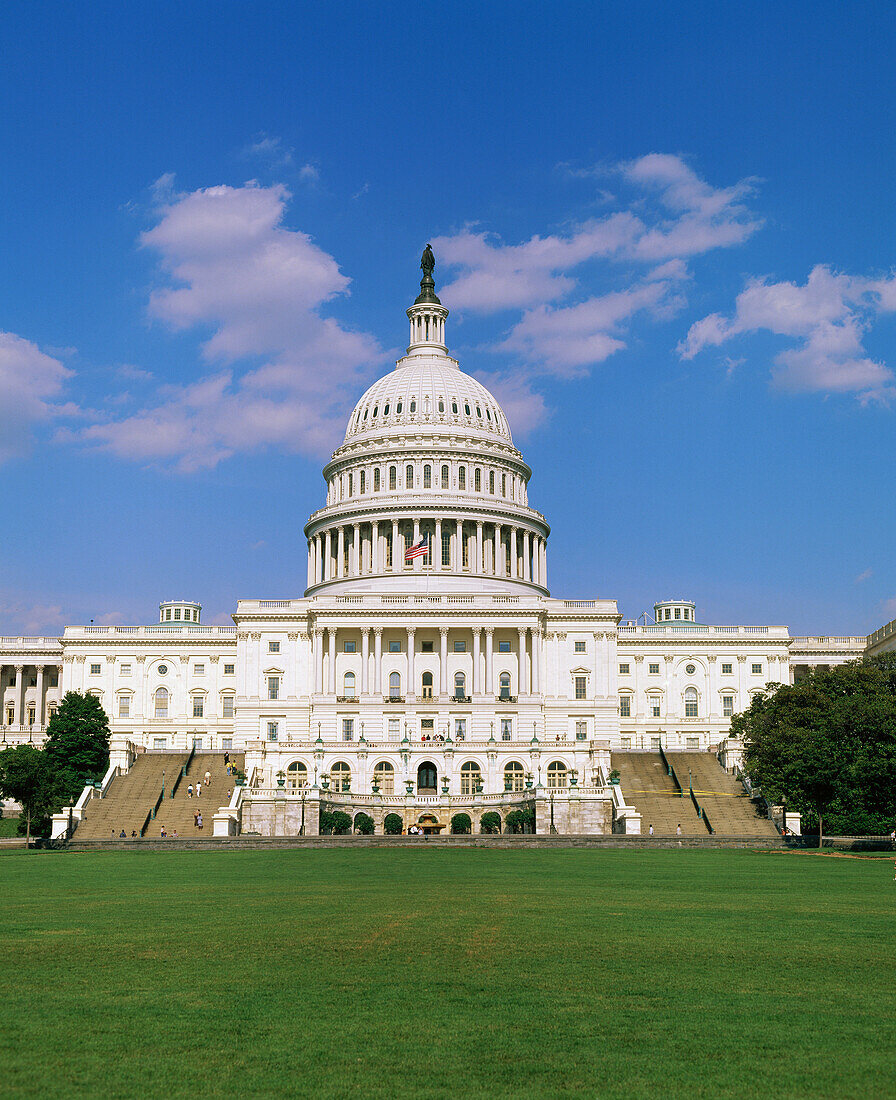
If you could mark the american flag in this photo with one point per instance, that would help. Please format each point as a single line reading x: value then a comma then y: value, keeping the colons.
x: 417, y: 551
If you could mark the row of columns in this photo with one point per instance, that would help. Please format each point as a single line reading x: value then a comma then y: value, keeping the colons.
x: 19, y: 688
x: 508, y: 551
x: 529, y: 661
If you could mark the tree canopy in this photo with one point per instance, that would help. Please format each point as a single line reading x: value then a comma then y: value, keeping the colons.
x: 77, y: 745
x: 25, y: 776
x: 828, y: 745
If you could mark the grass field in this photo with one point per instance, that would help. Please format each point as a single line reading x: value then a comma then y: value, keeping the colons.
x: 447, y: 973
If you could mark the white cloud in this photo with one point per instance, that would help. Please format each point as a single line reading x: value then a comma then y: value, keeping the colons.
x: 33, y: 619
x: 828, y: 318
x: 270, y: 149
x: 30, y: 381
x: 864, y: 576
x: 642, y: 249
x: 260, y: 287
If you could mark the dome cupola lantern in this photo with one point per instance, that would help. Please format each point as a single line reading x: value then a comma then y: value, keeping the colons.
x: 427, y: 315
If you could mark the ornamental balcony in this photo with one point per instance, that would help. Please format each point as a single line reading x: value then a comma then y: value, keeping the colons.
x: 393, y: 698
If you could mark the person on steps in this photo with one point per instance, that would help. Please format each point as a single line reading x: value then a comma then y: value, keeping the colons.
x: 190, y: 791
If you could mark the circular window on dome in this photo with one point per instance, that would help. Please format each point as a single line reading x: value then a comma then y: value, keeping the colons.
x: 163, y: 670
x: 690, y: 669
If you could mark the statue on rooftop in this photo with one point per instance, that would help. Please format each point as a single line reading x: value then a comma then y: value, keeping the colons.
x: 427, y: 261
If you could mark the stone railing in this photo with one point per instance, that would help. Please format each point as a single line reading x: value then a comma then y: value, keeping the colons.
x: 694, y: 628
x: 142, y: 631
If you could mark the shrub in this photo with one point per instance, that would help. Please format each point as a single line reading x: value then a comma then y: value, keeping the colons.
x: 461, y: 823
x: 364, y: 824
x: 520, y: 821
x: 392, y: 825
x: 490, y: 822
x: 342, y: 823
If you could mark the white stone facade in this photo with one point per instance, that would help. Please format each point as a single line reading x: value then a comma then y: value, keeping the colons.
x: 452, y: 674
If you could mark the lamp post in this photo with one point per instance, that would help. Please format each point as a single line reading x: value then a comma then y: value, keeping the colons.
x: 784, y: 815
x: 553, y: 830
x: 302, y: 826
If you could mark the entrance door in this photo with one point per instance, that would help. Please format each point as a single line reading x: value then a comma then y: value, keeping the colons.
x: 427, y: 777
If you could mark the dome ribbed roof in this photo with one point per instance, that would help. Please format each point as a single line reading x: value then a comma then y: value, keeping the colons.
x: 428, y: 391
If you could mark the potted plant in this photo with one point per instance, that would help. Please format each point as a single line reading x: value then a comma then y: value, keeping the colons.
x: 281, y: 778
x: 613, y: 777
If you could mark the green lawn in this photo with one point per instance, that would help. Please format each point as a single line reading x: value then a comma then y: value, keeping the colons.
x: 447, y: 974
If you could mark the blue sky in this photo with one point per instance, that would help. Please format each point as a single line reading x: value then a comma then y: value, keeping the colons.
x: 665, y: 233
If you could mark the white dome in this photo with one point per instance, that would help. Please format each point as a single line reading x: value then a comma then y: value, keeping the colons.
x: 428, y: 389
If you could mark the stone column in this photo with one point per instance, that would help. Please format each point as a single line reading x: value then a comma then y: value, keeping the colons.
x: 496, y: 549
x: 18, y: 698
x: 437, y: 548
x: 741, y: 693
x: 375, y: 546
x: 331, y: 648
x: 524, y: 688
x: 365, y: 659
x: 355, y: 560
x: 39, y: 709
x: 477, y: 658
x: 598, y: 680
x: 310, y: 572
x: 317, y: 659
x: 478, y: 563
x: 459, y: 547
x: 512, y: 552
x: 328, y: 555
x: 489, y: 662
x: 378, y: 660
x: 527, y: 560
x: 536, y: 660
x: 713, y: 707
x: 412, y: 683
x: 443, y: 661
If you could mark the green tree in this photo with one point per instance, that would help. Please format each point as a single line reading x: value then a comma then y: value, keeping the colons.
x: 521, y: 821
x: 461, y: 823
x: 392, y: 825
x: 77, y: 745
x: 364, y: 824
x: 490, y: 822
x: 828, y: 745
x: 25, y: 775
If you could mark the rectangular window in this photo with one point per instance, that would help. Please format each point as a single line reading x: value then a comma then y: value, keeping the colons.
x: 581, y: 687
x: 177, y: 614
x: 348, y: 729
x: 506, y: 729
x: 623, y: 670
x: 124, y: 706
x: 348, y: 647
x: 54, y: 679
x: 197, y: 744
x: 426, y: 647
x: 159, y: 743
x: 446, y: 549
x: 125, y: 670
x: 94, y: 670
x: 654, y: 707
x: 677, y: 612
x: 198, y: 706
x: 273, y: 647
x: 693, y: 744
x: 229, y: 669
x: 394, y: 729
x: 625, y: 706
x: 460, y: 729
x: 757, y: 670
x: 10, y: 714
x: 460, y: 647
x: 227, y: 744
x: 626, y: 742
x: 581, y: 731
x: 273, y: 730
x: 655, y: 744
x: 226, y: 706
x: 427, y: 725
x: 273, y: 687
x: 31, y: 715
x: 727, y: 706
x: 503, y: 647
x: 580, y: 647
x: 395, y: 647
x: 462, y: 478
x: 726, y: 669
x: 690, y: 708
x: 653, y: 669
x: 199, y: 670
x: 51, y: 710
x: 168, y: 615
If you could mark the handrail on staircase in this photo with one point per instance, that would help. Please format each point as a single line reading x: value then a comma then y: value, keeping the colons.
x: 670, y: 771
x: 152, y: 813
x: 182, y: 773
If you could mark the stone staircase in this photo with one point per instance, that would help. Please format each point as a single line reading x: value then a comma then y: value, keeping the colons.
x: 729, y: 809
x: 130, y: 797
x: 647, y: 786
x: 176, y: 813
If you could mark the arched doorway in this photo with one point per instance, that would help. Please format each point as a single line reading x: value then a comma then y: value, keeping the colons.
x: 429, y: 824
x: 427, y: 778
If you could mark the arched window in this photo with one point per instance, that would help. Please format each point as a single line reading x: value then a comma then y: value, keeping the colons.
x: 161, y: 703
x: 513, y: 776
x: 467, y: 407
x: 504, y: 685
x: 413, y: 405
x: 393, y: 477
x: 386, y: 409
x: 427, y: 685
x: 341, y: 776
x: 470, y: 778
x: 454, y: 407
x: 398, y: 408
x: 460, y: 686
x: 348, y: 685
x: 488, y: 413
x: 462, y: 478
x: 477, y: 480
x: 491, y: 482
x: 479, y: 412
x: 444, y: 477
x: 386, y: 775
x: 394, y: 685
x: 376, y: 409
x: 296, y: 775
x: 409, y: 477
x: 376, y: 479
x: 427, y: 777
x: 556, y: 775
x: 363, y: 482
x: 427, y: 477
x: 503, y: 485
x: 351, y: 484
x: 441, y: 404
x: 690, y: 703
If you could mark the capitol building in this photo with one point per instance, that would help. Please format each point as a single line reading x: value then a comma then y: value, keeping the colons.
x: 427, y: 670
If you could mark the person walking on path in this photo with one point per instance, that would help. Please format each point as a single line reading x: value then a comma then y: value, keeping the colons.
x: 208, y: 777
x: 199, y: 821
x: 650, y: 830
x: 678, y: 831
x: 190, y: 791
x: 198, y: 787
